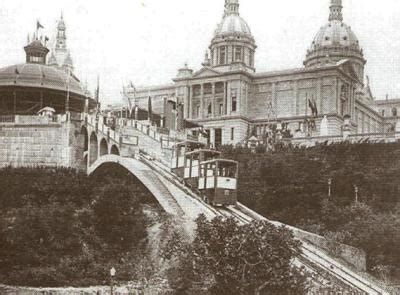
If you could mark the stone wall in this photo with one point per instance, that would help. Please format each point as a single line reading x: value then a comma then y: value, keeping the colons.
x: 33, y: 141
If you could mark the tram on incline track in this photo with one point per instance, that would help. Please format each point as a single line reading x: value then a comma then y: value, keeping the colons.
x: 218, y: 182
x: 203, y: 169
x: 178, y: 155
x: 192, y: 164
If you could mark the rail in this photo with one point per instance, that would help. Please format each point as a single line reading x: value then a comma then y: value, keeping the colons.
x: 319, y: 258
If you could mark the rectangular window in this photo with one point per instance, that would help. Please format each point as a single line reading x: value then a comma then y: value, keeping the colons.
x: 198, y: 111
x: 222, y: 55
x: 221, y: 109
x: 196, y: 90
x: 238, y: 53
x: 234, y: 103
x: 232, y: 133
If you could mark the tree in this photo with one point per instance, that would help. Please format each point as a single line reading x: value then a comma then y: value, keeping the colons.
x: 242, y: 259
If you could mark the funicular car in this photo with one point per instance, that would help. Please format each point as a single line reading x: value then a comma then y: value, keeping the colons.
x: 218, y: 182
x: 192, y: 164
x: 178, y: 155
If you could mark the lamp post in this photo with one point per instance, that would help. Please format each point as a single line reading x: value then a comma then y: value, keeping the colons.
x: 356, y: 193
x: 112, y: 275
x: 329, y: 187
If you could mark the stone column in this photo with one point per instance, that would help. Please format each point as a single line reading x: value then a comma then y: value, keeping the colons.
x: 186, y: 104
x: 319, y: 96
x: 190, y: 106
x: 214, y: 101
x: 212, y: 137
x: 224, y: 100
x: 296, y: 96
x: 274, y: 98
x: 201, y: 101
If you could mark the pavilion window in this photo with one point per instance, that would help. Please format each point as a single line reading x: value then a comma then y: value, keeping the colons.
x: 208, y: 88
x: 209, y: 109
x: 219, y: 88
x: 222, y: 55
x: 238, y: 53
x: 234, y: 103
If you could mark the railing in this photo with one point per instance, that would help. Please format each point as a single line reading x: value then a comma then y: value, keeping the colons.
x: 7, y: 119
x: 353, y: 138
x: 33, y: 120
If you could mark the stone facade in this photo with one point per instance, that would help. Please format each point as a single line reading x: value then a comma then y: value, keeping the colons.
x: 32, y: 141
x: 232, y: 102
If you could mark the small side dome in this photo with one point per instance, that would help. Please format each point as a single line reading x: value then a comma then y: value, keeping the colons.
x: 335, y: 33
x: 335, y: 42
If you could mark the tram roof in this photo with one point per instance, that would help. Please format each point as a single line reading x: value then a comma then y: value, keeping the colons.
x: 189, y: 142
x: 220, y: 160
x: 204, y: 151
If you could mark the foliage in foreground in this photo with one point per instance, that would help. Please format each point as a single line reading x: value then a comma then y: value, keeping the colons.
x: 60, y: 228
x: 292, y: 186
x: 236, y: 259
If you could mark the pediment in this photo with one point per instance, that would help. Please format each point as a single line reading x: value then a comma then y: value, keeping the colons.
x: 206, y: 72
x: 348, y: 68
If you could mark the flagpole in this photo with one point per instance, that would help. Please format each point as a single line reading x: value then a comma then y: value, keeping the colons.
x: 67, y: 101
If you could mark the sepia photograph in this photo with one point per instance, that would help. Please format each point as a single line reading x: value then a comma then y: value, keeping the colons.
x: 200, y: 147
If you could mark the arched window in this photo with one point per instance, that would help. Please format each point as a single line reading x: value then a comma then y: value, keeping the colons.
x: 394, y: 112
x: 222, y: 55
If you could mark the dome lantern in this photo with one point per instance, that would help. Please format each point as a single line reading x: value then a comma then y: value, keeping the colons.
x: 336, y: 10
x: 36, y: 52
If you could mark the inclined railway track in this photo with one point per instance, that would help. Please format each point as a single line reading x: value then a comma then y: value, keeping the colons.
x: 309, y: 257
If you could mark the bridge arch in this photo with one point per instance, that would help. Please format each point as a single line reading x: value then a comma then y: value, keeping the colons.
x: 147, y: 177
x: 114, y: 150
x: 103, y: 147
x: 94, y: 151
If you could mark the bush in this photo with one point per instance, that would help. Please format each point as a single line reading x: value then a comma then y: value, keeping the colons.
x: 63, y: 228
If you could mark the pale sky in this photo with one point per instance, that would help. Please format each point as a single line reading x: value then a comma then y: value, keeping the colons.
x: 146, y: 41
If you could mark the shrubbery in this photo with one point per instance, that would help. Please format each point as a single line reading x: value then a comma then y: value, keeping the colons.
x: 61, y: 228
x: 291, y: 185
x: 228, y: 258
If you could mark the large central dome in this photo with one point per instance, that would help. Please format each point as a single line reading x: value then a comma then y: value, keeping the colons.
x: 233, y: 47
x: 336, y: 41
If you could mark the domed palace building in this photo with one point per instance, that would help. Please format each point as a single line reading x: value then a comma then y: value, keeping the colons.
x: 234, y: 102
x: 28, y: 87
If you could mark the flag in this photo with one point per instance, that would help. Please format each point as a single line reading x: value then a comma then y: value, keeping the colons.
x: 39, y: 25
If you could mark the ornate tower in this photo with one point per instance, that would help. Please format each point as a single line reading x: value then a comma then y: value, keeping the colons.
x: 233, y: 46
x: 336, y: 41
x: 60, y: 56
